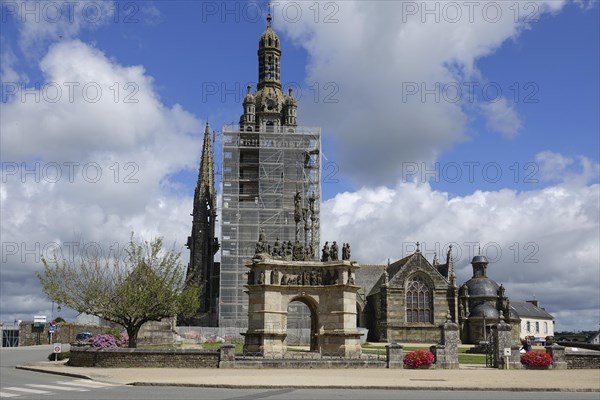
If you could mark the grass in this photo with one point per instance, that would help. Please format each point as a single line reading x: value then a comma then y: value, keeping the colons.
x: 217, y: 346
x: 463, y: 357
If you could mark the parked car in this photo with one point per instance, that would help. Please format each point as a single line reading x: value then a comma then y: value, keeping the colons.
x: 83, y: 336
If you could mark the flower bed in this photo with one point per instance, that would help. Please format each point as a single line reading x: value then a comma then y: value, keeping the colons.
x: 418, y: 359
x: 536, y: 359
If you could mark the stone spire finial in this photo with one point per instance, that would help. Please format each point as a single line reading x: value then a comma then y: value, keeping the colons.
x: 418, y: 249
x: 435, y: 260
x: 269, y: 18
x: 206, y: 174
x: 449, y: 259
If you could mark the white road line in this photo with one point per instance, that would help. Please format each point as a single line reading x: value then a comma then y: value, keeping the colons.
x: 56, y: 387
x: 32, y: 391
x: 86, y: 383
x: 7, y: 395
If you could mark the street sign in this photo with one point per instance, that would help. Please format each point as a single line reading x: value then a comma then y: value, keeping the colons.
x: 57, y: 347
x: 53, y: 323
x: 51, y: 328
x: 507, y: 351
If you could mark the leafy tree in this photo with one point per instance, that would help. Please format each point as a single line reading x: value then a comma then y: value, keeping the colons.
x: 148, y: 284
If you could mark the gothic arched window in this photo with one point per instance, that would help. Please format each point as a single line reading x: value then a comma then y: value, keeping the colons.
x: 418, y: 301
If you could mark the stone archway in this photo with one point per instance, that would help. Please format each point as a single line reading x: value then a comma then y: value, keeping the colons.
x: 327, y: 288
x: 314, y: 319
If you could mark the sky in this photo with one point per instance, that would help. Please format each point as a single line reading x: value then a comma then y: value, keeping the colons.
x: 474, y: 124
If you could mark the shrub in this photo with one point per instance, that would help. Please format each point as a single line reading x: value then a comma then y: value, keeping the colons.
x: 536, y: 358
x: 59, y: 356
x: 123, y: 340
x: 103, y: 342
x: 418, y: 358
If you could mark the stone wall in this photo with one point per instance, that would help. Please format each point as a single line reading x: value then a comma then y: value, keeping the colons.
x: 65, y: 333
x: 583, y: 360
x: 141, y: 358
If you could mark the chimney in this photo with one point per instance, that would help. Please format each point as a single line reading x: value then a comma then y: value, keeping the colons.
x: 534, y: 302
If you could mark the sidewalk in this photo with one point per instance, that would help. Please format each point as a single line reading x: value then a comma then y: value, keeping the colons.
x: 466, y: 378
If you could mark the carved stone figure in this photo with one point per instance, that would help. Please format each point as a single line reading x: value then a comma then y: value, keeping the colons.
x: 336, y: 278
x: 284, y: 279
x: 319, y: 278
x: 274, y: 277
x: 276, y: 248
x: 297, y: 208
x: 350, y: 277
x: 306, y: 278
x: 298, y: 251
x: 347, y: 251
x: 325, y: 251
x: 334, y: 251
x: 313, y: 278
x: 261, y: 278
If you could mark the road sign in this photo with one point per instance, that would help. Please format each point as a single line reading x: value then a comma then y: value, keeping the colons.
x: 53, y: 323
x: 57, y: 347
x: 507, y: 351
x: 51, y: 328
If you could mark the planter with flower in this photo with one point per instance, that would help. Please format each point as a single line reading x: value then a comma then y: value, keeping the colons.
x: 419, y: 359
x: 537, y: 359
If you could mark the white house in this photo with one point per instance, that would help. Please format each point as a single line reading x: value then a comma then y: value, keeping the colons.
x: 535, y: 321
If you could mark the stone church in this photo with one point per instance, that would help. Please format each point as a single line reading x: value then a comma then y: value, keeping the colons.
x: 408, y: 300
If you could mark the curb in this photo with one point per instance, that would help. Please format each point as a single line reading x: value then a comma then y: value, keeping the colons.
x: 365, y: 387
x: 47, y: 371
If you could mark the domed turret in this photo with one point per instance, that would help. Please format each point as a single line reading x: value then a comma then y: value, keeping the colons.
x: 268, y: 38
x: 249, y: 98
x: 269, y: 55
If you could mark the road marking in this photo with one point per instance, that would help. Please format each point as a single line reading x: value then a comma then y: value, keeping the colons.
x: 4, y: 394
x: 87, y: 383
x: 54, y: 387
x: 32, y: 391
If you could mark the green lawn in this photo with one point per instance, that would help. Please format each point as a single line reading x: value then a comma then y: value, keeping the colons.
x: 217, y: 346
x: 463, y: 358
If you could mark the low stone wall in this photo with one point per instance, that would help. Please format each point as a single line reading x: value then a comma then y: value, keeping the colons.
x: 64, y: 333
x: 142, y: 358
x: 312, y: 364
x: 583, y: 360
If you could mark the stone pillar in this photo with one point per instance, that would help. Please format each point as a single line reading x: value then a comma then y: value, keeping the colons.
x: 395, y: 355
x: 515, y: 357
x: 439, y: 352
x: 450, y: 339
x: 227, y: 356
x: 558, y: 356
x: 502, y: 340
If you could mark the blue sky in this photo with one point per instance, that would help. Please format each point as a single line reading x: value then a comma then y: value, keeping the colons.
x: 379, y: 138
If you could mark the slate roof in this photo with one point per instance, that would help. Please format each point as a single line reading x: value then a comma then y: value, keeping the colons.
x: 528, y: 310
x: 443, y: 270
x: 367, y: 276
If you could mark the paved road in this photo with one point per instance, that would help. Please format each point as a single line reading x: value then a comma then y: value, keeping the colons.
x: 21, y: 385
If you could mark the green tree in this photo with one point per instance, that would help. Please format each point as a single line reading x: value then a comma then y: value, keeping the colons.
x: 148, y: 284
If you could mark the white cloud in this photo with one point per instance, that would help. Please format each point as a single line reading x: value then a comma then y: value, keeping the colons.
x: 502, y: 117
x: 91, y: 172
x: 542, y: 242
x: 384, y: 58
x: 567, y: 170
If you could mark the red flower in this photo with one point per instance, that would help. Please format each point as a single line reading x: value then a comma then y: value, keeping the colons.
x: 536, y: 358
x: 418, y: 358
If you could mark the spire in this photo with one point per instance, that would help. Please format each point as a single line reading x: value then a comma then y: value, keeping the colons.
x: 269, y: 18
x: 269, y: 55
x: 206, y: 173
